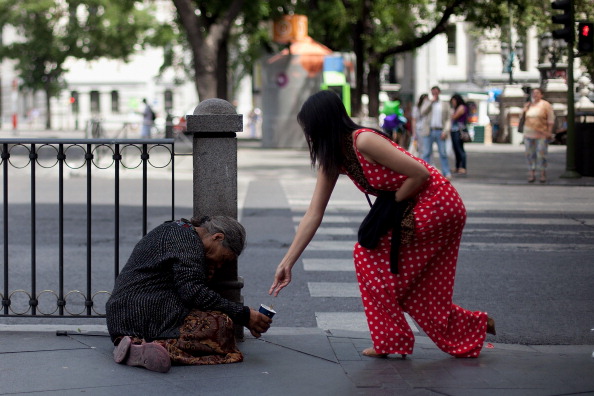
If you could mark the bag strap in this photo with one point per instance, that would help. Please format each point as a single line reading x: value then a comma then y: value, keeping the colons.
x: 353, y: 167
x: 368, y: 200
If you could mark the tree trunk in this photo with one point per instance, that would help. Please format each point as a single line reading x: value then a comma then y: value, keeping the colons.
x: 205, y: 73
x: 363, y: 28
x: 358, y: 49
x: 221, y: 71
x: 205, y: 38
x: 373, y: 89
x: 48, y: 109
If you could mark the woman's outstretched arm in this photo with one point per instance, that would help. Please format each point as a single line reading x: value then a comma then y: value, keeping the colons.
x: 305, y: 232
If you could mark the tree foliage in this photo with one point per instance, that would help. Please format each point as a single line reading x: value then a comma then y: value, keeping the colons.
x: 377, y: 30
x: 224, y: 37
x: 51, y: 31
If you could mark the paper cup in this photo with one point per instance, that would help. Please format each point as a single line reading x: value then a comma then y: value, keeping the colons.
x: 266, y: 310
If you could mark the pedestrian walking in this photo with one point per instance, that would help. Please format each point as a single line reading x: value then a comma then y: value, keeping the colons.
x: 459, y: 123
x: 148, y: 120
x: 419, y: 126
x: 538, y: 131
x: 394, y: 121
x: 407, y: 261
x: 438, y: 115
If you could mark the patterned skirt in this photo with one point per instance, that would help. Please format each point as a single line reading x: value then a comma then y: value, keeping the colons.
x: 205, y: 338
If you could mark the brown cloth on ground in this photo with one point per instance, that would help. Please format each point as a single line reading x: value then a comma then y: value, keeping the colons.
x: 205, y: 338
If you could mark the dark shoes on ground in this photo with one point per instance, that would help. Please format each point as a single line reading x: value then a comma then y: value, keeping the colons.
x: 148, y: 355
x: 491, y: 326
x: 532, y: 177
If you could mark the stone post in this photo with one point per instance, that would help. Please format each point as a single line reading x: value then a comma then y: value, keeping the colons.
x: 213, y: 126
x: 512, y: 98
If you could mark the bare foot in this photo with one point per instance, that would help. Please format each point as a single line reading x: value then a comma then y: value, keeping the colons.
x: 370, y: 352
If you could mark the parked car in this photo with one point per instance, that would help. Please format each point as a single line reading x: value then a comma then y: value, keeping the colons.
x: 180, y: 124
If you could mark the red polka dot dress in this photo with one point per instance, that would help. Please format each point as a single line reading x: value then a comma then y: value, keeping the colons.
x: 424, y: 285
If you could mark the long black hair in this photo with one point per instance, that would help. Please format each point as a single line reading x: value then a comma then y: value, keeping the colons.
x: 458, y: 99
x: 326, y: 125
x: 421, y: 100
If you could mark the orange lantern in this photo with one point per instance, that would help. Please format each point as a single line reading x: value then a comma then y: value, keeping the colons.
x: 289, y: 28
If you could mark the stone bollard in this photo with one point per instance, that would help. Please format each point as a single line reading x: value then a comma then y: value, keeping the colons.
x: 213, y: 126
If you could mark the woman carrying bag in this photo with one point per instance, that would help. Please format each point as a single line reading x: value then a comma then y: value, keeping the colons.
x: 413, y: 275
x: 459, y: 120
x: 538, y: 131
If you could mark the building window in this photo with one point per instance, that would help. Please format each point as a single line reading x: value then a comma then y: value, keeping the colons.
x: 115, y: 102
x: 451, y: 36
x: 95, y: 105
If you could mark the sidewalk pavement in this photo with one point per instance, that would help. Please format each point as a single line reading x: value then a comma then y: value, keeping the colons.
x: 308, y: 361
x: 288, y: 361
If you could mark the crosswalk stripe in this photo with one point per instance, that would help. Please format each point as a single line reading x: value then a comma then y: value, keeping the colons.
x: 330, y: 245
x: 357, y: 203
x: 519, y: 220
x: 355, y: 220
x: 336, y: 231
x: 333, y: 289
x: 352, y: 321
x: 328, y: 265
x: 334, y: 246
x: 537, y: 247
x: 329, y: 219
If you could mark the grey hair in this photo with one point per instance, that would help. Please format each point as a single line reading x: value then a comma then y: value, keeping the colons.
x: 235, y: 237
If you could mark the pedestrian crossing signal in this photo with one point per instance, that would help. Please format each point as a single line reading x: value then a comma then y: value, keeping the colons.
x: 586, y: 37
x: 566, y: 19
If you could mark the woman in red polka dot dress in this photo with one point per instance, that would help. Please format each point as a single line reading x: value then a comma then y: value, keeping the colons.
x: 424, y: 281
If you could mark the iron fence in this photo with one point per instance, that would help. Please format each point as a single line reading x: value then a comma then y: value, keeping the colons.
x: 59, y: 284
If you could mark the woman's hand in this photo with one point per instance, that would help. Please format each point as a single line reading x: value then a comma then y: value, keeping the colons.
x: 282, y: 278
x: 258, y: 324
x: 306, y: 230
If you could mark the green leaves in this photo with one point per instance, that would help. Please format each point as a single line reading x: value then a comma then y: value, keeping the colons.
x: 51, y: 31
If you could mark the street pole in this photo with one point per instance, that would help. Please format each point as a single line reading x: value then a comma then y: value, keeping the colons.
x: 511, y: 48
x: 570, y: 168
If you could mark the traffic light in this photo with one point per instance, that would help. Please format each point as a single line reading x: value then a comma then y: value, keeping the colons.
x: 74, y: 101
x: 586, y: 37
x: 565, y: 19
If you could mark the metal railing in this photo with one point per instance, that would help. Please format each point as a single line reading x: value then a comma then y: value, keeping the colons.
x: 70, y: 288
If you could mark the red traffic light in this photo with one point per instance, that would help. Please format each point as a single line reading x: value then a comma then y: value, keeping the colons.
x: 72, y: 99
x: 586, y: 37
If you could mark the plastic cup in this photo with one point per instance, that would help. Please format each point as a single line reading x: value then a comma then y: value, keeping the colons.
x: 266, y: 310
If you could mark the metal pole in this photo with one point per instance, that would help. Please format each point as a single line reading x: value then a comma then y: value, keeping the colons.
x: 570, y: 168
x: 511, y: 47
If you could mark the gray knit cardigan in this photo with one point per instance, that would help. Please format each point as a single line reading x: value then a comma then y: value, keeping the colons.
x: 164, y: 278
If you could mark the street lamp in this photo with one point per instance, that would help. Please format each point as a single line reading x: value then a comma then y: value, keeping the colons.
x: 509, y: 53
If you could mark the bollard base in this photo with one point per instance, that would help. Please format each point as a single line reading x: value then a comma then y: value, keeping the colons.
x: 570, y: 174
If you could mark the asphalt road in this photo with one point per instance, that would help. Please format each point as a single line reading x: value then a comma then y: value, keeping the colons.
x: 526, y: 256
